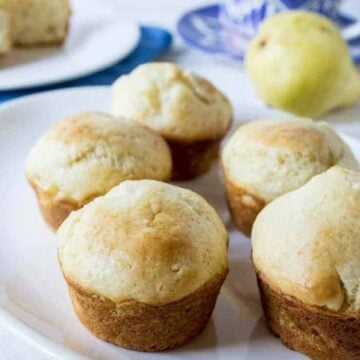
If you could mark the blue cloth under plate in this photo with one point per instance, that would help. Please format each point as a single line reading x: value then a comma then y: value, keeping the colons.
x: 154, y: 41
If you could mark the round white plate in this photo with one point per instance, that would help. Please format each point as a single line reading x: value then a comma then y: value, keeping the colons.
x: 97, y: 39
x: 34, y: 303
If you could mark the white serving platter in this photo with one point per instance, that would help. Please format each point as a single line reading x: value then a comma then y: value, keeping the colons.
x: 34, y: 304
x: 97, y: 39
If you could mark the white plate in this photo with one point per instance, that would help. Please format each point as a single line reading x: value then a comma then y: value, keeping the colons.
x: 97, y: 39
x: 34, y: 303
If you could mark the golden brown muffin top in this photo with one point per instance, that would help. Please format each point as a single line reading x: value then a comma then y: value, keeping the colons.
x: 144, y: 240
x: 272, y: 157
x: 307, y: 242
x: 175, y: 102
x: 86, y: 155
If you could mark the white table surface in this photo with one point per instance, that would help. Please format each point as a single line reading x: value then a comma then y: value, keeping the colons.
x: 229, y: 76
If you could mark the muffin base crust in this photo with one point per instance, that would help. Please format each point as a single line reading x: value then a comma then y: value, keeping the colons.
x: 139, y: 326
x: 191, y: 160
x: 54, y: 212
x: 43, y: 44
x: 317, y: 332
x: 243, y: 206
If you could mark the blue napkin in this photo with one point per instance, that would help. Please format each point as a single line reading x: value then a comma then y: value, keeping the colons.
x: 154, y: 41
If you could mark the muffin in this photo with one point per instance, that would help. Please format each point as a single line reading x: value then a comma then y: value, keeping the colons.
x: 86, y: 155
x: 5, y: 40
x: 187, y: 110
x: 38, y: 22
x: 306, y: 252
x: 265, y: 159
x: 144, y: 264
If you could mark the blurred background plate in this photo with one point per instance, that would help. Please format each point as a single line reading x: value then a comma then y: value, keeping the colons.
x: 97, y: 39
x: 202, y: 29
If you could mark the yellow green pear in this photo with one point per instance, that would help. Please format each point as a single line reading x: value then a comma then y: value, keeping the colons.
x: 300, y: 63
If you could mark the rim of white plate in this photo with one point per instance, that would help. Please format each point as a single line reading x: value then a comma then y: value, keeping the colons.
x: 31, y: 97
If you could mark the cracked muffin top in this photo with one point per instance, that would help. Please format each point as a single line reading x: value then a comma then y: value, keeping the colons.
x: 307, y: 243
x: 144, y: 240
x: 180, y: 105
x: 272, y: 157
x: 86, y: 155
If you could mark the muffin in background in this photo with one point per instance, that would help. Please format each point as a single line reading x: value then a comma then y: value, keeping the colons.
x: 187, y: 110
x: 267, y: 158
x: 5, y: 36
x: 37, y: 22
x: 306, y: 252
x: 86, y: 155
x: 144, y: 264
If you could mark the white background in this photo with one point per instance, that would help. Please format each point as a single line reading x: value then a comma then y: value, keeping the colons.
x: 228, y: 76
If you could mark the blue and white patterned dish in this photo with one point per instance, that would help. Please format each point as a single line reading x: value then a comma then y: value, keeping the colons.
x: 204, y: 29
x: 242, y: 18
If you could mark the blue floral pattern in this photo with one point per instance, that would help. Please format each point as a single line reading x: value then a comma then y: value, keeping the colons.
x: 244, y: 16
x: 227, y: 30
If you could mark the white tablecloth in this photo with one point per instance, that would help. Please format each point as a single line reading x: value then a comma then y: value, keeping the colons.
x: 228, y: 76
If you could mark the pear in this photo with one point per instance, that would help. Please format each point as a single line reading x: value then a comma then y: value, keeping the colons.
x: 300, y: 63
